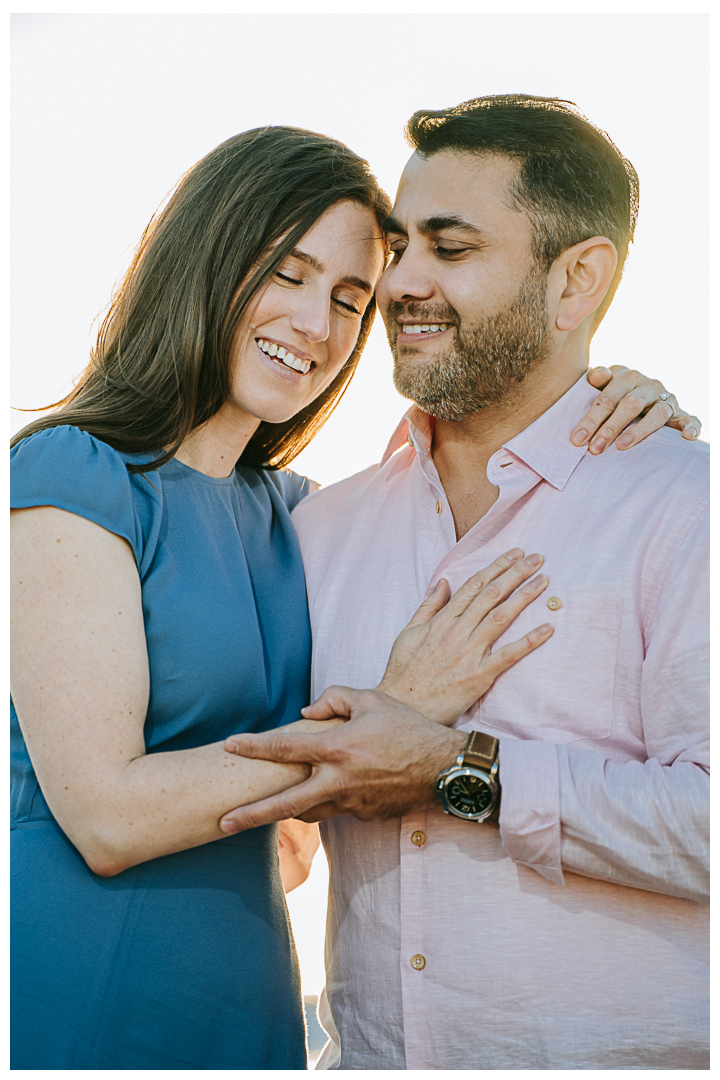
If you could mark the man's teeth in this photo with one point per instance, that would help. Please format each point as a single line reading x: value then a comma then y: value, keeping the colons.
x: 424, y: 328
x: 288, y: 359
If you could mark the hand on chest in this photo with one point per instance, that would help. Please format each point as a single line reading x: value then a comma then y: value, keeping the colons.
x: 563, y: 691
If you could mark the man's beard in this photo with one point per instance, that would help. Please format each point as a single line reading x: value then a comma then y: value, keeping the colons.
x: 485, y: 363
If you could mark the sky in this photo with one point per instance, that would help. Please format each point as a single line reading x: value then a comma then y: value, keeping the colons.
x: 108, y: 112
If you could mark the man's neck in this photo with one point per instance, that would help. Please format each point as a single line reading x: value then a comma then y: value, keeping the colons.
x: 461, y: 451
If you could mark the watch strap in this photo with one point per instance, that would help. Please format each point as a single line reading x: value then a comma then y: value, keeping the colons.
x: 481, y: 751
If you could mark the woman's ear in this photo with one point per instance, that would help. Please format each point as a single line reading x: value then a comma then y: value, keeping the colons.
x: 583, y: 274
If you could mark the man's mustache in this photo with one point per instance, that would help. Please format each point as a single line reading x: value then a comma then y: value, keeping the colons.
x: 430, y: 313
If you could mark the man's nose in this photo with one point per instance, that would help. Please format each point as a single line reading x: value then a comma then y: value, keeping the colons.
x: 312, y: 316
x: 408, y: 279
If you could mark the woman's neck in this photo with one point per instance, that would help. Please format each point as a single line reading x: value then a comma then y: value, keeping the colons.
x: 215, y: 447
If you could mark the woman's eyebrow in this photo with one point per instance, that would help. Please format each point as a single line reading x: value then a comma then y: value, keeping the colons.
x: 349, y: 279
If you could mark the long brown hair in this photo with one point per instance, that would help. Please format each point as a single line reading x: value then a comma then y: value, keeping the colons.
x: 160, y: 365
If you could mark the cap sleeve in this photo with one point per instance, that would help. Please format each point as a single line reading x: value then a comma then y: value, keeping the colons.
x: 71, y: 469
x: 291, y: 485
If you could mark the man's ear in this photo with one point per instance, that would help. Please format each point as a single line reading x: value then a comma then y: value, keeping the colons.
x: 582, y: 276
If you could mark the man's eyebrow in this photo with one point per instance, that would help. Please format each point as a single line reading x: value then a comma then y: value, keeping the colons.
x: 349, y: 279
x: 433, y: 225
x: 447, y: 221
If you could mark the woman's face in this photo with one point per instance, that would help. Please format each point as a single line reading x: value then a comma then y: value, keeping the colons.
x: 304, y: 326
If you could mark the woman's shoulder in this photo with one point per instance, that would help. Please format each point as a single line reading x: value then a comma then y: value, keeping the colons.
x: 67, y: 467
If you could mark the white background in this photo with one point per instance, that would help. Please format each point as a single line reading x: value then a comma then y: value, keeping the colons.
x: 110, y: 110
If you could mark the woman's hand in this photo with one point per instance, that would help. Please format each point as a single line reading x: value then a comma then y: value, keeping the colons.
x: 627, y: 395
x: 441, y: 663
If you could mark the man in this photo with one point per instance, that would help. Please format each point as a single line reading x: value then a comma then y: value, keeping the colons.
x: 575, y: 935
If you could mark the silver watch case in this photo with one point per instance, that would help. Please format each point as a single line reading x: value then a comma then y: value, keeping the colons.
x: 468, y: 770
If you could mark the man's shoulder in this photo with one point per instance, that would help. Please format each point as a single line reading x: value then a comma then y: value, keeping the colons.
x: 344, y: 495
x: 664, y: 457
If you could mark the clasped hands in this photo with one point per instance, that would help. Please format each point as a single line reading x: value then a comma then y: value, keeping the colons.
x: 382, y: 755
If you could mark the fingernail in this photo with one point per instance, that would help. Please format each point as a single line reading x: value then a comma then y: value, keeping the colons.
x: 598, y: 446
x: 535, y: 560
x: 580, y: 437
x: 623, y: 441
x: 231, y: 747
x: 228, y: 826
x: 540, y: 580
x: 545, y: 628
x: 693, y: 432
x: 515, y: 553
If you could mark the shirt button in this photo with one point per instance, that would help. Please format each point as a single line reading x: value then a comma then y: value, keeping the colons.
x: 554, y: 603
x: 418, y: 838
x: 418, y: 961
x: 438, y: 507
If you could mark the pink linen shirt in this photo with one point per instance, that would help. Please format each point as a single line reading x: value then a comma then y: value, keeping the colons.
x: 575, y: 937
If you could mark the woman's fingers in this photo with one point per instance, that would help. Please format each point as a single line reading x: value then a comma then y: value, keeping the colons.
x: 509, y: 654
x: 437, y: 600
x: 500, y: 588
x: 661, y: 413
x: 475, y: 585
x: 689, y: 425
x: 622, y: 400
x: 499, y: 617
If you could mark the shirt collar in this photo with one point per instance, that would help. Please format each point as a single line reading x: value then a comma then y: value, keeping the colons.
x: 544, y: 446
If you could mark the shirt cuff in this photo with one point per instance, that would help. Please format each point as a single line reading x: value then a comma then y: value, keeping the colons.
x: 530, y: 805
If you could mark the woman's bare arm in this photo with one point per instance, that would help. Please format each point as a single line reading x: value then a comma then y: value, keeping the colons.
x: 80, y: 683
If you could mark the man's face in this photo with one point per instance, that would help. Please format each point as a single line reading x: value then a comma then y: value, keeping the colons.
x: 464, y: 272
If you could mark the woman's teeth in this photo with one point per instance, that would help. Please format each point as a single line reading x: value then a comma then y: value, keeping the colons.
x: 287, y: 358
x: 424, y: 328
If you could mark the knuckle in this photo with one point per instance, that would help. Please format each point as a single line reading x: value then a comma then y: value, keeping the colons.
x: 508, y: 653
x: 605, y: 401
x: 635, y: 376
x: 493, y: 591
x: 497, y: 616
x: 633, y: 403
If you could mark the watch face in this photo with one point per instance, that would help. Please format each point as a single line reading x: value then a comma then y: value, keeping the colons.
x: 469, y: 794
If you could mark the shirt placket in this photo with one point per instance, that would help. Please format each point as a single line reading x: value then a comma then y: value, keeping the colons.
x: 418, y: 944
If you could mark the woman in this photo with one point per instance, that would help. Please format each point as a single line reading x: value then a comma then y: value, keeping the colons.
x: 159, y: 607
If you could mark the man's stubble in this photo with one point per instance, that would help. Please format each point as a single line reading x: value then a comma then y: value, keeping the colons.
x: 485, y: 363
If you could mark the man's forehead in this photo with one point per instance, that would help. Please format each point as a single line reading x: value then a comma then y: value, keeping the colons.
x: 451, y: 182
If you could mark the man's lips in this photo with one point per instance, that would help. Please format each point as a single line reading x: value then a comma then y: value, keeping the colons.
x: 421, y: 331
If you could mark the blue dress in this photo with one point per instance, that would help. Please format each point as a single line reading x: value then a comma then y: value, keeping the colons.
x: 186, y: 961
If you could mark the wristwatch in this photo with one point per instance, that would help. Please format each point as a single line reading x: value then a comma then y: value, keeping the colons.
x: 469, y: 788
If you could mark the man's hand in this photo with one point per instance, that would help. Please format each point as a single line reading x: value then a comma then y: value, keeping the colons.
x: 627, y: 395
x: 382, y: 763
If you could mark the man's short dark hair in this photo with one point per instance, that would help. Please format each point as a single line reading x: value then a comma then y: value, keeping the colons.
x: 573, y: 182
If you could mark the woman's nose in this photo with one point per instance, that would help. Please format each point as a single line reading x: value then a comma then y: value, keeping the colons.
x: 312, y: 317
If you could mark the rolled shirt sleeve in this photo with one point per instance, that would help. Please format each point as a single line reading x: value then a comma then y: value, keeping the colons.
x: 639, y: 823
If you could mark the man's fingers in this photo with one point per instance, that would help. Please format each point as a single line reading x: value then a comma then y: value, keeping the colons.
x: 288, y: 804
x: 474, y: 586
x: 335, y: 701
x: 277, y: 746
x: 437, y: 600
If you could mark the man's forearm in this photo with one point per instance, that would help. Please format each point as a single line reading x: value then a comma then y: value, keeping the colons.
x: 632, y: 823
